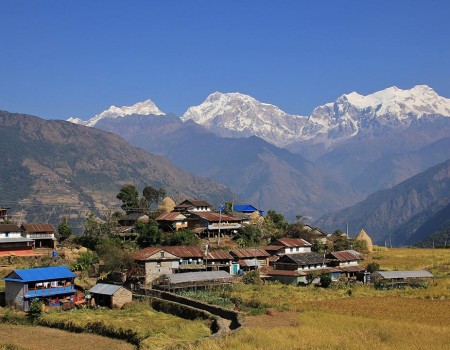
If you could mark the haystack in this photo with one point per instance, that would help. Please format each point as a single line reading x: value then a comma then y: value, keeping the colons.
x: 363, y: 236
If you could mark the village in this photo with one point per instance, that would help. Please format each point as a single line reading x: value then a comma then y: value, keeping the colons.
x: 216, y: 260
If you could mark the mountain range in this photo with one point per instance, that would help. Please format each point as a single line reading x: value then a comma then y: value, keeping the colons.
x: 53, y: 168
x: 343, y: 152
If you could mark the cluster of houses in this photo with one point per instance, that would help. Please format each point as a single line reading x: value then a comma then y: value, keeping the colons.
x: 20, y: 240
x: 196, y: 216
x: 288, y: 260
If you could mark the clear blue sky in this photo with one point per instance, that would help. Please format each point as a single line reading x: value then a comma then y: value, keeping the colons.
x: 76, y: 58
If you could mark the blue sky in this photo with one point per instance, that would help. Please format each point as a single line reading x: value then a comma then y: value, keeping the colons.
x: 76, y: 58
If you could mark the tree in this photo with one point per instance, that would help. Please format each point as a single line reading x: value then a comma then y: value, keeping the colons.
x: 249, y: 235
x: 130, y: 198
x: 318, y: 246
x: 113, y: 256
x: 181, y: 237
x: 278, y: 219
x: 149, y: 233
x: 153, y: 195
x: 325, y: 280
x: 64, y: 230
x: 94, y: 230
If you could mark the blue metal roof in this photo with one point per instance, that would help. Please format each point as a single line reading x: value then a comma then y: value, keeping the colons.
x: 40, y: 274
x: 243, y: 208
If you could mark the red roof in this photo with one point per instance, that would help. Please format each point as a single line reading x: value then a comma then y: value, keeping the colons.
x: 351, y: 268
x: 145, y: 253
x: 292, y: 242
x: 215, y: 217
x: 38, y: 228
x: 184, y: 251
x: 345, y: 255
x: 219, y: 255
x: 250, y: 253
x: 172, y: 216
x: 180, y: 251
x: 272, y: 248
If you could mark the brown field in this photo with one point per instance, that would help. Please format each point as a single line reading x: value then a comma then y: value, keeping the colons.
x: 38, y: 338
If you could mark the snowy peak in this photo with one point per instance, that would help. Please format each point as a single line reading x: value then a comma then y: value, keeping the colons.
x: 419, y: 100
x: 146, y: 107
x: 238, y: 115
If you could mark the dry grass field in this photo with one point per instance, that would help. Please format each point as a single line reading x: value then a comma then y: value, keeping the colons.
x: 15, y: 337
x: 349, y: 317
x: 341, y: 317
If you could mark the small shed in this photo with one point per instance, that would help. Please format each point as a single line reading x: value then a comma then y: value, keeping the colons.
x: 110, y: 295
x: 397, y: 278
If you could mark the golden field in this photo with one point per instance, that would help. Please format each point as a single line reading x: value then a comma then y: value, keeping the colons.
x: 342, y: 317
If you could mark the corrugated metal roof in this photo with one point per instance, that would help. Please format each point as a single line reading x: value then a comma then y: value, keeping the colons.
x: 180, y: 251
x: 172, y: 216
x: 184, y: 251
x: 351, y: 268
x: 38, y: 228
x: 198, y: 276
x: 9, y: 228
x: 273, y: 248
x: 215, y: 217
x: 244, y: 208
x: 403, y: 274
x: 292, y: 242
x: 41, y: 274
x: 145, y: 253
x: 249, y: 263
x: 103, y: 288
x: 219, y: 255
x: 195, y: 203
x: 15, y: 239
x: 345, y: 255
x: 249, y: 253
x: 303, y: 259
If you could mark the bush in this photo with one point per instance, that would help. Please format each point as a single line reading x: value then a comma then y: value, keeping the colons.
x: 372, y: 267
x: 252, y: 277
x: 325, y: 280
x: 35, y: 309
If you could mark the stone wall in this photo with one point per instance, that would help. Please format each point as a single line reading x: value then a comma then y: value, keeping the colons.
x: 234, y: 317
x: 14, y: 294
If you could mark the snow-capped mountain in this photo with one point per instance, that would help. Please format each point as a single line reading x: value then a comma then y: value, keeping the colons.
x: 392, y: 108
x: 239, y: 115
x: 146, y: 107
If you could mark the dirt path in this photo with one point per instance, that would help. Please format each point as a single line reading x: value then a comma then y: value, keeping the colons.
x: 38, y: 338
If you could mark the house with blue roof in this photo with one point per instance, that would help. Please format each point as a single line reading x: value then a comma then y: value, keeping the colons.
x: 49, y: 284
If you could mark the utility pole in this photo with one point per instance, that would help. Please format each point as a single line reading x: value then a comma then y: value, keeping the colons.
x: 220, y: 221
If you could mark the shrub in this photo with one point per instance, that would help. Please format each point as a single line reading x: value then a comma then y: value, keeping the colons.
x: 372, y: 267
x: 252, y: 277
x: 325, y: 280
x: 35, y: 309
